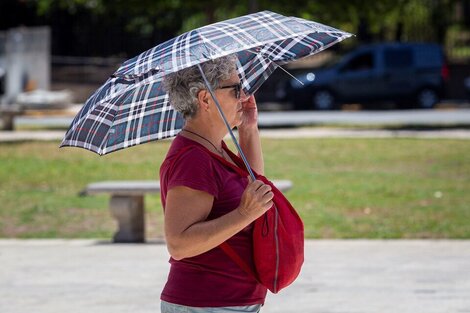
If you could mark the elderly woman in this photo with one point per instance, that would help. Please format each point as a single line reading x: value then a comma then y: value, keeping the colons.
x: 205, y: 202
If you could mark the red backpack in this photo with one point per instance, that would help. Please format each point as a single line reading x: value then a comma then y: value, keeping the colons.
x: 278, y: 237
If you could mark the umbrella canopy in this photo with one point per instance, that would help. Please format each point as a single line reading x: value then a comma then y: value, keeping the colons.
x: 132, y: 108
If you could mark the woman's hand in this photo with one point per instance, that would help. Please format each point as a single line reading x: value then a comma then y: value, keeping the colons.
x: 249, y: 134
x: 250, y: 113
x: 256, y: 199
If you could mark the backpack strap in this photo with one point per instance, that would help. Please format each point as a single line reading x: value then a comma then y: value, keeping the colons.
x: 237, y: 259
x: 225, y: 246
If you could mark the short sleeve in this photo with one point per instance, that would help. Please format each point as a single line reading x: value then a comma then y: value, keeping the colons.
x: 194, y: 169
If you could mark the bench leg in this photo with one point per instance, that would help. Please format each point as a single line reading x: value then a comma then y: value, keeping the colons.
x: 7, y: 122
x: 129, y: 212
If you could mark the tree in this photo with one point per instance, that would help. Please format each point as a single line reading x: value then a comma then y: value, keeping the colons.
x: 370, y: 20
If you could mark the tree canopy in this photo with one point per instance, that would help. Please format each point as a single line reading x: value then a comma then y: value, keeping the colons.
x: 139, y: 21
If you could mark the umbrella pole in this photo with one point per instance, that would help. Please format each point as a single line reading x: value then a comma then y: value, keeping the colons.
x: 234, y: 139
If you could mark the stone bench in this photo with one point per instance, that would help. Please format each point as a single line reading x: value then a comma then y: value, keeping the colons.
x: 127, y: 204
x: 7, y: 116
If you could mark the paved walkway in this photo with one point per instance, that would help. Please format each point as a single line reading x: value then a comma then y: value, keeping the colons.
x: 439, y: 116
x: 12, y: 136
x: 339, y: 276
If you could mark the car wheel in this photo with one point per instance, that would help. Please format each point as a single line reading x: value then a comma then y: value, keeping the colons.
x: 323, y: 100
x: 427, y: 98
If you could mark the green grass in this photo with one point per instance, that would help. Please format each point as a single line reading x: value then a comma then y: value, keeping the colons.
x: 343, y: 188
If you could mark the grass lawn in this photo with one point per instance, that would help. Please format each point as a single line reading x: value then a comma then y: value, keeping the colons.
x: 343, y: 188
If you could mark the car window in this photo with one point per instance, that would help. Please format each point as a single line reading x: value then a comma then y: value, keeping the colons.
x: 428, y: 56
x: 398, y: 58
x: 363, y: 61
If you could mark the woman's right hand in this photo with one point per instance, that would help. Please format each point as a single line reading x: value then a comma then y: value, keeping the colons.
x: 256, y: 199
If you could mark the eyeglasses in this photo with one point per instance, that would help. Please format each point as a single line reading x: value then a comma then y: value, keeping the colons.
x: 237, y: 87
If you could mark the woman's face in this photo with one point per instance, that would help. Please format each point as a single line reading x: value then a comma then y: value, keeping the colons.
x: 230, y: 96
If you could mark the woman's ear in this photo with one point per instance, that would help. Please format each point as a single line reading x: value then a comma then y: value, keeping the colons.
x: 203, y: 98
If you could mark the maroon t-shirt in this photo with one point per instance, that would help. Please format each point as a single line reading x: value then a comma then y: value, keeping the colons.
x: 210, y: 279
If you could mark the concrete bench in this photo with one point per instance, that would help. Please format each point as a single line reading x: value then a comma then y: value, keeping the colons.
x: 8, y: 114
x: 127, y: 204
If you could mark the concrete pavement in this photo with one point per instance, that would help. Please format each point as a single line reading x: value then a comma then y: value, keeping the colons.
x: 12, y: 136
x: 440, y: 117
x: 386, y: 276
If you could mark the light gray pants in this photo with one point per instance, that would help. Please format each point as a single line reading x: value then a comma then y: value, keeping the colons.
x: 167, y: 307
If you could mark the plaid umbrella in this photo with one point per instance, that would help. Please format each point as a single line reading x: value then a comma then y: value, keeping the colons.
x: 132, y: 108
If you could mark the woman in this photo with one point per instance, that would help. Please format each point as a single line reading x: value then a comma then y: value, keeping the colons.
x: 206, y: 203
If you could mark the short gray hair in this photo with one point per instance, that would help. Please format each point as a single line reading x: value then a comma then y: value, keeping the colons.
x: 184, y: 85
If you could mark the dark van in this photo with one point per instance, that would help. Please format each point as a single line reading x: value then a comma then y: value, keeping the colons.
x: 408, y: 74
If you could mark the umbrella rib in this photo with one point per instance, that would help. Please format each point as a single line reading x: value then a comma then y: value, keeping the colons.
x: 277, y: 66
x: 292, y: 76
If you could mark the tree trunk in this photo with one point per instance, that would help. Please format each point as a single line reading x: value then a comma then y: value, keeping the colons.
x: 253, y: 6
x: 363, y: 31
x: 210, y: 15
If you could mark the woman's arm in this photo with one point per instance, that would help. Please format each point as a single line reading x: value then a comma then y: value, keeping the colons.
x: 249, y: 136
x: 187, y: 231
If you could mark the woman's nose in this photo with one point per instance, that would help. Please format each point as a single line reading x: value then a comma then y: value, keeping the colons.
x: 244, y: 95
